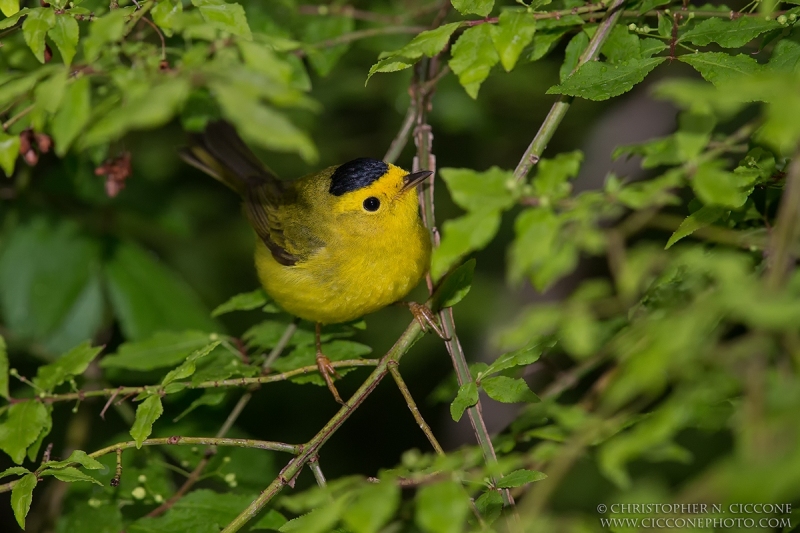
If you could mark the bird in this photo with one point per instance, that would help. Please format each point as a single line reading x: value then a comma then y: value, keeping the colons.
x: 332, y: 246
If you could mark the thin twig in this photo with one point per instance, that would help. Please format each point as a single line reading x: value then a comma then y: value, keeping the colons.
x: 161, y: 36
x: 350, y: 12
x: 401, y: 139
x: 363, y: 34
x: 412, y: 406
x: 313, y: 465
x: 13, y: 120
x: 279, y: 347
x: 787, y: 229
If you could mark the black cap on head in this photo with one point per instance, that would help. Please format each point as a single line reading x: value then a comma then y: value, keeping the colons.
x: 356, y: 174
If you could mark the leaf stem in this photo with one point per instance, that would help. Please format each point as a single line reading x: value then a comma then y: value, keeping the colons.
x: 412, y: 406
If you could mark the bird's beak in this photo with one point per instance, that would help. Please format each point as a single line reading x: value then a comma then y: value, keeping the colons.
x: 415, y: 178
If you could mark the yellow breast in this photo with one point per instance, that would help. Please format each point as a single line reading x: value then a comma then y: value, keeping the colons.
x: 352, y: 275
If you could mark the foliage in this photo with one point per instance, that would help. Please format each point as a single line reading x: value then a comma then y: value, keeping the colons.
x: 677, y: 361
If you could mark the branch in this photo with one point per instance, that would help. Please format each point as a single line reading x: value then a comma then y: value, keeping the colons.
x: 311, y: 449
x: 787, y: 229
x: 362, y: 34
x: 561, y: 106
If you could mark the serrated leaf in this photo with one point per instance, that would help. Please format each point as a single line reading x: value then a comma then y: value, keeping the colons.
x: 146, y: 414
x: 522, y: 357
x: 245, y: 301
x: 9, y: 150
x: 473, y: 56
x: 467, y: 397
x: 22, y: 496
x: 508, y: 390
x: 482, y: 8
x: 22, y: 426
x: 9, y: 7
x: 717, y: 186
x: 544, y: 41
x: 600, y: 81
x: 224, y: 16
x: 373, y: 506
x: 461, y: 236
x: 512, y: 33
x: 320, y: 29
x: 701, y: 218
x: 785, y: 56
x: 14, y: 470
x: 188, y: 367
x: 728, y: 33
x: 622, y: 45
x: 167, y: 15
x: 77, y: 456
x: 73, y: 363
x: 490, y: 505
x: 518, y: 478
x: 552, y: 175
x: 106, y: 29
x: 319, y: 520
x: 65, y: 34
x: 575, y: 48
x: 493, y: 189
x: 649, y: 5
x: 37, y: 23
x: 455, y: 286
x: 69, y: 474
x: 442, y: 508
x: 164, y: 349
x: 72, y: 116
x: 427, y: 43
x: 720, y: 68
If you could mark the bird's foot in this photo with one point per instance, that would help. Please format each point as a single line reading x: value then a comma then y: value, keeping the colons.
x: 328, y: 373
x: 426, y: 319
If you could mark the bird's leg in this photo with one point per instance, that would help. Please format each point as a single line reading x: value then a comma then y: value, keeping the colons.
x: 426, y: 318
x: 325, y: 367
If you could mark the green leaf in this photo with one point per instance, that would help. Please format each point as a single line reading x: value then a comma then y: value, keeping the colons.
x: 22, y: 496
x: 522, y: 357
x: 701, y: 218
x: 167, y: 15
x: 427, y: 43
x: 552, y: 175
x: 490, y: 505
x: 9, y: 7
x: 225, y: 17
x: 146, y: 414
x: 69, y: 474
x: 106, y: 29
x: 513, y: 32
x: 720, y: 68
x: 148, y: 297
x: 462, y: 236
x: 65, y: 34
x: 473, y: 56
x: 319, y: 520
x: 9, y: 150
x: 572, y: 55
x: 22, y: 426
x: 455, y: 286
x: 261, y: 124
x: 242, y: 302
x: 73, y: 363
x: 508, y: 390
x: 623, y: 45
x: 373, y: 506
x: 12, y: 18
x: 73, y: 115
x: 649, y: 5
x: 728, y: 33
x: 163, y: 349
x: 785, y: 56
x: 717, y: 186
x: 14, y: 470
x: 188, y: 367
x: 302, y: 356
x: 97, y: 517
x: 518, y: 478
x: 209, y: 397
x: 600, y: 81
x: 36, y: 25
x: 442, y: 508
x: 467, y: 397
x: 493, y: 189
x: 319, y: 29
x: 482, y: 8
x: 271, y: 520
x: 146, y: 110
x: 33, y: 449
x: 77, y: 456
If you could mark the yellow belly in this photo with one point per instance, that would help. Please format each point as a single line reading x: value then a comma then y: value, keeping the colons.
x: 342, y: 283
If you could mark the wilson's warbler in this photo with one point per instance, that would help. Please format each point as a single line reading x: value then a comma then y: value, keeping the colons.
x: 333, y: 245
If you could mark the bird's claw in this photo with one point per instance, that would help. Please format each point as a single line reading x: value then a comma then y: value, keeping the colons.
x: 328, y: 373
x: 426, y: 319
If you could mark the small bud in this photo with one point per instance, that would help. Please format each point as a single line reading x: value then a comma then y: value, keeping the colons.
x: 139, y: 493
x: 226, y: 459
x: 142, y: 478
x: 323, y: 10
x: 213, y: 337
x: 158, y: 498
x: 646, y: 28
x: 230, y: 478
x: 782, y: 20
x: 792, y: 17
x: 632, y: 26
x: 94, y: 502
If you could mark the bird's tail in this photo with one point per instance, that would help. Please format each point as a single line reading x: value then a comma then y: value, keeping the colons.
x: 223, y: 155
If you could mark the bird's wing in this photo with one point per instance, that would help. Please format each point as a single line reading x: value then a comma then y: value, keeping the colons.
x: 221, y: 153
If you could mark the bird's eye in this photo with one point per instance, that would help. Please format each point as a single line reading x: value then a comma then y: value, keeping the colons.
x: 372, y: 204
